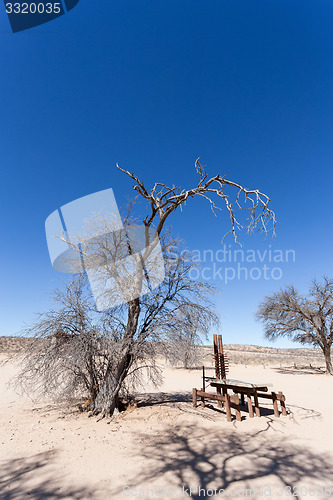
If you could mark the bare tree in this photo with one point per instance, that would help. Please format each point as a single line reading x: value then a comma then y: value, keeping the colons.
x: 160, y: 313
x: 308, y: 320
x: 76, y: 348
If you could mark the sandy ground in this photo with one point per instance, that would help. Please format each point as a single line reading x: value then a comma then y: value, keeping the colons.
x: 166, y: 449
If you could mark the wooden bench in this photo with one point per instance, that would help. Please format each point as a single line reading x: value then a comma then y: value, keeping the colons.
x: 275, y: 397
x: 229, y: 401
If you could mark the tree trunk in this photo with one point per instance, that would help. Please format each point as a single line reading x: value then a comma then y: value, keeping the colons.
x: 107, y: 398
x: 328, y: 361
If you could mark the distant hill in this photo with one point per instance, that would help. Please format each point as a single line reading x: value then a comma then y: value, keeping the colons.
x: 257, y: 355
x: 13, y: 344
x: 236, y: 353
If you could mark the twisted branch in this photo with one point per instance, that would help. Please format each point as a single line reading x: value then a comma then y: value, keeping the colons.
x: 164, y: 200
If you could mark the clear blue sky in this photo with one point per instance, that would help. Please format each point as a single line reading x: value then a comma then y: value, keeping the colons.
x: 246, y: 85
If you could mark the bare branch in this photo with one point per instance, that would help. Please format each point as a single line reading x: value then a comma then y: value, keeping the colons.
x: 164, y: 200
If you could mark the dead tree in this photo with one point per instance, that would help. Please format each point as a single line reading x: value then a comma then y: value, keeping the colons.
x: 154, y: 316
x: 308, y: 320
x: 162, y: 201
x: 76, y: 349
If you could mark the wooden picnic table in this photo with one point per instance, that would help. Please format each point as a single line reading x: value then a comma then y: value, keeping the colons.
x: 243, y: 388
x: 223, y: 384
x: 248, y: 389
x: 237, y: 384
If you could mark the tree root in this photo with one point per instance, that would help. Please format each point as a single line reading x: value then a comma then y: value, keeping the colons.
x: 101, y: 416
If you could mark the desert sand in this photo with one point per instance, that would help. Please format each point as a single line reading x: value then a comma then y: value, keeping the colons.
x: 164, y: 448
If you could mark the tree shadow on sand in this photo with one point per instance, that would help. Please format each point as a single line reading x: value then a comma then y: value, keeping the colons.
x: 159, y: 398
x: 187, y: 456
x: 18, y: 480
x: 300, y: 370
x: 211, y: 409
